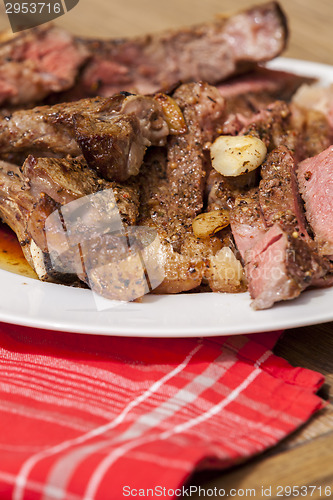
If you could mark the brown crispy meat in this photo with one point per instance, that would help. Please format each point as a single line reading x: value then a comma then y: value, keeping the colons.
x: 112, y: 132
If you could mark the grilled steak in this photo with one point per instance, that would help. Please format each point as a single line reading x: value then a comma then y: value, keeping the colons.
x: 172, y: 184
x: 271, y: 125
x: 61, y: 228
x: 113, y: 132
x: 15, y: 203
x: 270, y: 233
x: 290, y: 133
x: 65, y: 180
x: 313, y: 131
x: 36, y: 62
x: 210, y: 52
x: 315, y: 179
x: 305, y: 132
x: 182, y: 273
x: 281, y: 267
x: 278, y: 193
x: 174, y: 202
x: 114, y: 148
x: 246, y: 95
x: 247, y: 223
x: 26, y: 214
x: 46, y: 60
x: 261, y: 85
x: 221, y: 191
x: 279, y: 264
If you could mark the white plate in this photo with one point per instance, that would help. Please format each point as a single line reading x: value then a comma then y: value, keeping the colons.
x: 29, y: 302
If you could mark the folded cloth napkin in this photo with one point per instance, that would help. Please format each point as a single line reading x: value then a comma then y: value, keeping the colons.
x: 92, y: 417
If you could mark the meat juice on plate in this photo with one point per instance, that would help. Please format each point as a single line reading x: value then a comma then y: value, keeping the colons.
x: 11, y: 256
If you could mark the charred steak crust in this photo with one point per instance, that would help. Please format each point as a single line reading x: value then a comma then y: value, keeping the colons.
x: 124, y: 124
x: 279, y: 197
x: 65, y: 180
x: 175, y: 202
x: 172, y: 184
x: 115, y: 150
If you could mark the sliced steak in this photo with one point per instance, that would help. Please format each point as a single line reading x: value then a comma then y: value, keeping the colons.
x: 185, y: 268
x: 210, y: 52
x: 113, y: 132
x: 272, y: 126
x: 44, y: 60
x: 279, y: 263
x: 278, y: 193
x: 175, y: 202
x: 26, y: 214
x: 222, y: 191
x: 247, y: 95
x: 283, y: 128
x: 65, y: 180
x: 172, y: 186
x: 16, y: 203
x: 305, y: 132
x: 247, y: 222
x: 262, y: 85
x: 70, y: 223
x: 114, y: 148
x: 270, y: 123
x: 36, y: 62
x: 281, y: 267
x: 85, y: 207
x: 315, y: 179
x: 182, y: 272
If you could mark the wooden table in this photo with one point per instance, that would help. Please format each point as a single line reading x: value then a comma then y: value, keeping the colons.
x: 306, y: 458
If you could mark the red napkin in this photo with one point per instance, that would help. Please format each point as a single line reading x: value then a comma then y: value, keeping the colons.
x: 90, y: 417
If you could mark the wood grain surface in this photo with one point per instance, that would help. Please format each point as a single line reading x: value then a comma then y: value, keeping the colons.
x: 306, y: 458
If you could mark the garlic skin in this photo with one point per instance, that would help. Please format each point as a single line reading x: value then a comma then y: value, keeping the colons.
x: 235, y: 155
